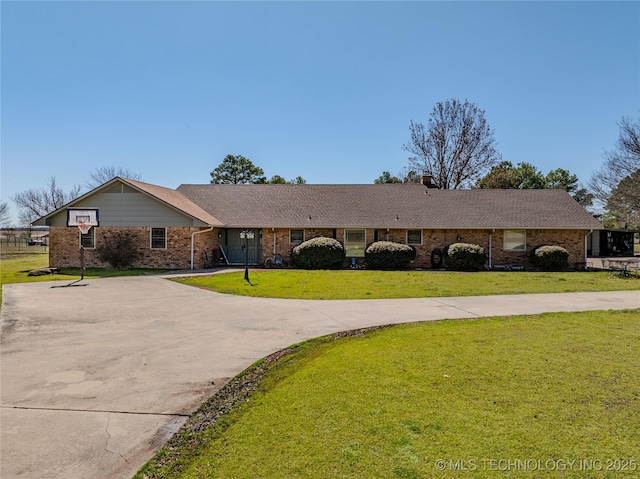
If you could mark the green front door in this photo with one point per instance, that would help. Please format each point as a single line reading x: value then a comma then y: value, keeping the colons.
x: 241, y: 246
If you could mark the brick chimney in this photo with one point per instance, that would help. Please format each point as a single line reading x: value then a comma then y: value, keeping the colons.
x: 427, y: 180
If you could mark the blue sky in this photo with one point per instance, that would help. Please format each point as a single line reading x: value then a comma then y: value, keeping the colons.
x: 324, y: 90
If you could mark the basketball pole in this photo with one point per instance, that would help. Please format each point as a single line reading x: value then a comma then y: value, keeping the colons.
x: 245, y: 234
x: 246, y: 256
x: 75, y: 283
x: 81, y: 262
x: 84, y: 219
x: 81, y: 253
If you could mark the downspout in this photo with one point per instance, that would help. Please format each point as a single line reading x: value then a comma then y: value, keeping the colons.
x: 273, y: 230
x: 490, y: 248
x: 193, y: 235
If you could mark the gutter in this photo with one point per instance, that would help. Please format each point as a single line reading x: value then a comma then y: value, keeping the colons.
x: 193, y: 235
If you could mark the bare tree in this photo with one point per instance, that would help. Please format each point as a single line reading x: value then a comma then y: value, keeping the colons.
x: 105, y: 173
x: 37, y: 202
x: 456, y: 146
x: 620, y: 163
x: 5, y: 216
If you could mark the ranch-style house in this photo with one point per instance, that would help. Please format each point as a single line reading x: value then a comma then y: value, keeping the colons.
x: 197, y: 226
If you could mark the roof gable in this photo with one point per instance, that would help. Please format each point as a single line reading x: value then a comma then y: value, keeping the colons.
x: 138, y: 207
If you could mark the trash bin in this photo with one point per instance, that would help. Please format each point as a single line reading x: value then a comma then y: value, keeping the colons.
x: 436, y: 258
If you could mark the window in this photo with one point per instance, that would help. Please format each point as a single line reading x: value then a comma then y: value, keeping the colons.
x: 515, y: 240
x: 158, y: 238
x: 354, y: 242
x: 296, y: 236
x: 88, y: 241
x: 414, y: 237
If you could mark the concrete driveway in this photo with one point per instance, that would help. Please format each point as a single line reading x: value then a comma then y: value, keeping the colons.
x: 96, y: 377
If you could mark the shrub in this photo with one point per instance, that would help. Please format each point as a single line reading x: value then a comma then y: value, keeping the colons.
x: 388, y: 255
x: 318, y: 253
x: 550, y: 258
x: 119, y: 250
x: 465, y: 257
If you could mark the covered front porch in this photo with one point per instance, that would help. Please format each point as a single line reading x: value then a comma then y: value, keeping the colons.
x: 239, y: 246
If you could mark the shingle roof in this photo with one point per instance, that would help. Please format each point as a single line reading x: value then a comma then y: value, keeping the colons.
x: 387, y: 206
x: 175, y: 199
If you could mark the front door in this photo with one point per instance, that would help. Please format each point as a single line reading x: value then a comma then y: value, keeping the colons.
x: 243, y: 245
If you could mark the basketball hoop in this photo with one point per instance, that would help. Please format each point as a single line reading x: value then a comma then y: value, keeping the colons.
x: 83, y: 218
x: 84, y: 228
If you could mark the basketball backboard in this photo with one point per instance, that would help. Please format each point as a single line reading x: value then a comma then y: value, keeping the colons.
x: 82, y: 217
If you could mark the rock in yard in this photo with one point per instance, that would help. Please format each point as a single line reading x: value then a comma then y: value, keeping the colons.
x: 42, y: 271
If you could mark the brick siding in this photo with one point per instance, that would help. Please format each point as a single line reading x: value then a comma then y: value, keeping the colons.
x: 571, y: 240
x: 64, y: 245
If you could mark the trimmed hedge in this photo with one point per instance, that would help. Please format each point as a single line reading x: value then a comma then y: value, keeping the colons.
x: 465, y: 257
x: 318, y: 253
x: 388, y: 255
x: 550, y: 258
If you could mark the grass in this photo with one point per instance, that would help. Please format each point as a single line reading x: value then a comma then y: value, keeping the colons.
x: 13, y: 267
x: 391, y: 403
x: 415, y: 284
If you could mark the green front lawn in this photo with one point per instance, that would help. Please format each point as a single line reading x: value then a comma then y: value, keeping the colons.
x: 14, y: 267
x: 394, y: 402
x: 360, y: 284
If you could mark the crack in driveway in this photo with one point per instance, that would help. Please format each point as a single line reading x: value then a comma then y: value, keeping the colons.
x: 35, y: 408
x: 106, y: 443
x: 474, y: 315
